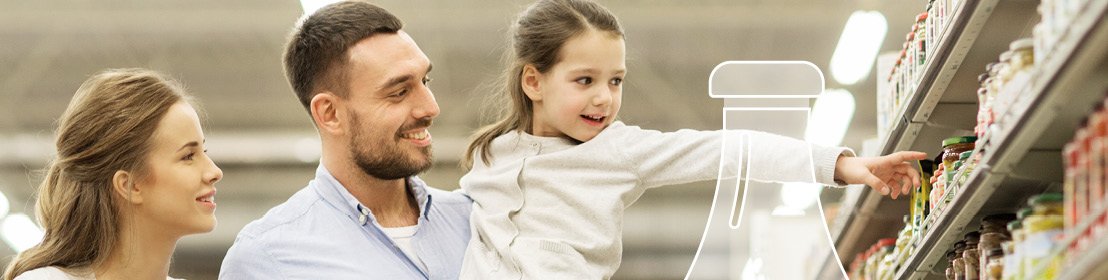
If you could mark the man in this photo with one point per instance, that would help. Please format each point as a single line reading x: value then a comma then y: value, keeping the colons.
x: 365, y: 215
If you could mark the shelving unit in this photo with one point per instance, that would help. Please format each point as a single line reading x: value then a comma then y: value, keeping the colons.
x: 1022, y: 155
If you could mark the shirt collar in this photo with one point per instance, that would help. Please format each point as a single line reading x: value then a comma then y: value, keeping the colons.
x: 335, y: 194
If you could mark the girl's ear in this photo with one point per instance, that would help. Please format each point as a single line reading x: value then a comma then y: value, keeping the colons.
x: 530, y: 79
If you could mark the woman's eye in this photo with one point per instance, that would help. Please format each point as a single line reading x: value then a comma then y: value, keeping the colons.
x: 617, y: 81
x: 427, y: 80
x: 189, y: 156
x: 584, y: 81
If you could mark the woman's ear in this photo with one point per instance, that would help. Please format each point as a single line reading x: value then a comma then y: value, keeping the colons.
x: 325, y: 113
x: 123, y: 183
x: 531, y: 81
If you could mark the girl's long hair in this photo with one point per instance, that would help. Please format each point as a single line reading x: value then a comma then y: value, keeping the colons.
x: 536, y: 39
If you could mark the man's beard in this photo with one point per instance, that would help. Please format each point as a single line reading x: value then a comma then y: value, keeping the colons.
x: 385, y: 160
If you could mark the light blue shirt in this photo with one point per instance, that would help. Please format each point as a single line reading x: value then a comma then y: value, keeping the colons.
x: 322, y: 233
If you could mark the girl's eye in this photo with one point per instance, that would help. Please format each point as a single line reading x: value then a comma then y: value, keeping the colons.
x: 584, y: 81
x: 617, y: 81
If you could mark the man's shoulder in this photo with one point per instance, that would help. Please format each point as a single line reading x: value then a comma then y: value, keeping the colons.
x: 285, y: 216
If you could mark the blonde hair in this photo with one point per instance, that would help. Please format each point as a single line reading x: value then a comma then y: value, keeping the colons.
x: 536, y: 39
x: 107, y: 127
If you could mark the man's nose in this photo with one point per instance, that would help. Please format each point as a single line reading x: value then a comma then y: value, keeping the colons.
x: 426, y: 106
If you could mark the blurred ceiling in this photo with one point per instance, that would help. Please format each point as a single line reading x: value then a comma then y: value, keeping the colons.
x: 228, y: 54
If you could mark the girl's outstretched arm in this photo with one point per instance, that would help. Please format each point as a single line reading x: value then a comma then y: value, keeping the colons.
x: 881, y: 173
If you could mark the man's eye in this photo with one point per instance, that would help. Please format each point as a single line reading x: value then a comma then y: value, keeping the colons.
x: 400, y: 93
x: 584, y: 81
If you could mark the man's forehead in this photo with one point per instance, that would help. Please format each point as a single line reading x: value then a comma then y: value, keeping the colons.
x: 383, y: 57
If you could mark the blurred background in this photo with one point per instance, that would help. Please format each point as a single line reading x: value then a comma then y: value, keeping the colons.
x: 228, y: 53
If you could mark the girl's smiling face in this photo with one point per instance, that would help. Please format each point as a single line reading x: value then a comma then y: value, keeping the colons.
x: 580, y: 95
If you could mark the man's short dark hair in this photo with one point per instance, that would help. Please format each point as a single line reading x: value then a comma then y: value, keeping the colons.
x: 315, y: 57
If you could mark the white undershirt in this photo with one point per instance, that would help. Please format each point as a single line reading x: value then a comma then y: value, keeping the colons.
x: 402, y: 236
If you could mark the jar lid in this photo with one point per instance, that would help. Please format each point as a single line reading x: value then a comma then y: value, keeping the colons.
x: 1024, y: 43
x: 972, y: 237
x: 1045, y: 198
x: 999, y: 218
x: 921, y: 16
x: 885, y: 242
x: 1024, y: 212
x: 981, y: 78
x: 911, y: 35
x: 965, y: 155
x: 995, y: 252
x: 959, y: 140
x: 1005, y: 56
x: 1014, y: 225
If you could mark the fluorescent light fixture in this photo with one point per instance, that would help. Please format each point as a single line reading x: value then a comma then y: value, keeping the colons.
x: 5, y: 206
x: 858, y: 46
x: 310, y: 6
x: 830, y: 118
x: 20, y: 232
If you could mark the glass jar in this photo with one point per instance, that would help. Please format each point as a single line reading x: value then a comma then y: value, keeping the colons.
x: 1003, y: 70
x: 921, y: 40
x: 1042, y: 228
x: 1046, y: 204
x: 950, y: 268
x: 971, y: 256
x: 1023, y: 55
x: 993, y: 234
x: 959, y: 264
x: 882, y: 249
x: 1015, y: 254
x: 952, y: 149
x: 994, y: 267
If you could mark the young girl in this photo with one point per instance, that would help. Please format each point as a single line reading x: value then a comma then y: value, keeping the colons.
x: 551, y: 179
x: 131, y: 177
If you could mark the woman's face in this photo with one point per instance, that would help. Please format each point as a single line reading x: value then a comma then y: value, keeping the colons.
x: 178, y: 190
x: 581, y: 94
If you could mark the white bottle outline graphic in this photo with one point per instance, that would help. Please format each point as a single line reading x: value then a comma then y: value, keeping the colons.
x: 738, y: 192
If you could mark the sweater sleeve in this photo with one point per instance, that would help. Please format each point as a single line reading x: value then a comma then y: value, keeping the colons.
x: 667, y: 158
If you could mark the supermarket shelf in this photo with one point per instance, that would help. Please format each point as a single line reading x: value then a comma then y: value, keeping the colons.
x: 1091, y: 265
x: 978, y: 33
x: 1023, y: 155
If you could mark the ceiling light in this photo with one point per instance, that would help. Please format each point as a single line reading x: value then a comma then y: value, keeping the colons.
x: 858, y: 46
x: 5, y: 206
x: 830, y: 118
x: 20, y: 232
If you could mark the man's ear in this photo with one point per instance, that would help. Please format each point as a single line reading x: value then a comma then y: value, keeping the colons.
x: 325, y: 113
x: 530, y: 79
x: 124, y: 184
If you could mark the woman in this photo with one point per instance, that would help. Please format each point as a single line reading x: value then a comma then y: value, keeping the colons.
x: 130, y: 178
